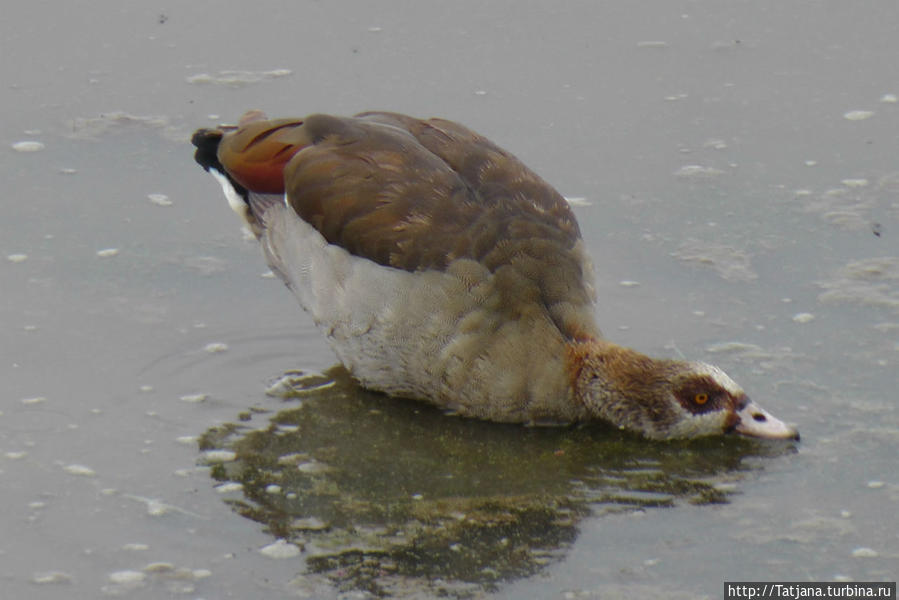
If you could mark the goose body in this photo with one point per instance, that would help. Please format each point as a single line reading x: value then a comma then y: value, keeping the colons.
x: 441, y: 268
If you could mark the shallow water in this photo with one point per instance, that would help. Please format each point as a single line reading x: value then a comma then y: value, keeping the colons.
x: 740, y: 198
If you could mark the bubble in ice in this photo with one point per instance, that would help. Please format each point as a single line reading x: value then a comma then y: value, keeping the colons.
x: 193, y: 398
x: 280, y: 549
x: 107, y: 252
x: 858, y: 115
x: 127, y: 577
x: 228, y: 487
x: 82, y: 470
x: 159, y: 199
x: 697, y: 172
x: 16, y: 258
x: 219, y: 456
x: 714, y: 144
x: 28, y: 146
x: 135, y: 547
x: 44, y: 577
x: 236, y: 78
x: 854, y: 183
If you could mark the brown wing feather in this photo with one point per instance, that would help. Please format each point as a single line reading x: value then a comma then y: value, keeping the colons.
x: 415, y: 194
x: 418, y: 194
x: 401, y: 191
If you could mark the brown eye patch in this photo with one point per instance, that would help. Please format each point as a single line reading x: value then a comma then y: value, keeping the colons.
x: 701, y: 395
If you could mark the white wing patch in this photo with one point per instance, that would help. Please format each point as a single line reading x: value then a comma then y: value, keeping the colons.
x: 235, y: 201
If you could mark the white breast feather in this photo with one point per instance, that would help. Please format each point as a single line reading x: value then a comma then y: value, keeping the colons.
x: 424, y: 334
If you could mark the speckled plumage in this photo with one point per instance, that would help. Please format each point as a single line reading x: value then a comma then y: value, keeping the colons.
x: 441, y: 268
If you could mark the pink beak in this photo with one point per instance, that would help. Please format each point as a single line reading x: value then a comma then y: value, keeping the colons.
x: 755, y: 421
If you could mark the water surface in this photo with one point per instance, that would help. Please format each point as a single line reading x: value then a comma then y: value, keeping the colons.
x: 740, y: 198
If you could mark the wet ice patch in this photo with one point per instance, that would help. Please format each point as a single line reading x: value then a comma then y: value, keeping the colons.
x: 857, y: 204
x: 765, y: 359
x: 728, y: 262
x: 205, y: 265
x: 803, y: 317
x: 867, y: 282
x: 114, y: 122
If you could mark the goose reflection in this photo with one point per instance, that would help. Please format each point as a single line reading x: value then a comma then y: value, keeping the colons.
x: 382, y: 492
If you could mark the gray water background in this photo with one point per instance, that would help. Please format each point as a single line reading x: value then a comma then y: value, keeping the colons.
x: 738, y: 167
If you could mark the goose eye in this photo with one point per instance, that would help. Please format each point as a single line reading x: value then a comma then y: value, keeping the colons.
x: 701, y: 398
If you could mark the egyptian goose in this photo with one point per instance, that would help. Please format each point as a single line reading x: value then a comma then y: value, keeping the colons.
x: 441, y: 268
